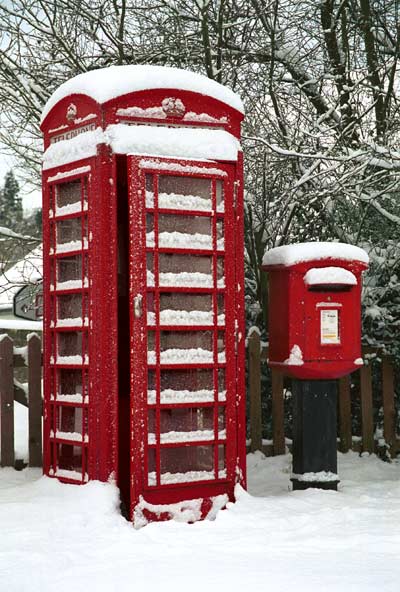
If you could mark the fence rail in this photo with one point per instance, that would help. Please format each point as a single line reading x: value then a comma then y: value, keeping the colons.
x: 29, y: 356
x: 257, y: 355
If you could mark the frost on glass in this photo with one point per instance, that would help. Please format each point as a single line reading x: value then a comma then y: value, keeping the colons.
x: 70, y: 384
x: 221, y: 419
x: 220, y: 235
x: 187, y: 302
x: 186, y: 459
x: 68, y: 193
x: 70, y: 268
x: 69, y: 306
x: 151, y: 466
x: 180, y: 193
x: 221, y: 458
x: 70, y: 343
x: 185, y: 386
x: 185, y: 270
x: 220, y: 272
x: 184, y: 224
x: 69, y: 231
x: 186, y: 340
x: 70, y: 421
x: 219, y: 188
x: 190, y: 419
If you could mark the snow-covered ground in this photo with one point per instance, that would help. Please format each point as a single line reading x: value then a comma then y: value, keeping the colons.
x: 62, y: 538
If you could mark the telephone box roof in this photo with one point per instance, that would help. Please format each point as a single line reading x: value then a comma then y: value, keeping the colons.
x: 108, y: 83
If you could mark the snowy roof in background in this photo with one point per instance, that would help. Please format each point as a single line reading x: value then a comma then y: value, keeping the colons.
x: 315, y: 251
x: 188, y: 143
x: 28, y: 270
x: 108, y: 83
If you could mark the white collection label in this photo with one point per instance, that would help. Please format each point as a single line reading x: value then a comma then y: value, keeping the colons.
x: 330, y: 326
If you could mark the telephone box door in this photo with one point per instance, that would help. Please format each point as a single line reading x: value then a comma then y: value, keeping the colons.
x: 183, y: 361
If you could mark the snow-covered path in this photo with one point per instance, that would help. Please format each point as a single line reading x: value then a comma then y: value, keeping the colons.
x: 65, y: 538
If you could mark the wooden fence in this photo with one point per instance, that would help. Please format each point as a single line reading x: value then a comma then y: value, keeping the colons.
x: 30, y: 357
x: 257, y: 355
x: 30, y: 396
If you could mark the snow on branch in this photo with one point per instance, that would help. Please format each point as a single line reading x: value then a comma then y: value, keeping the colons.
x: 11, y: 234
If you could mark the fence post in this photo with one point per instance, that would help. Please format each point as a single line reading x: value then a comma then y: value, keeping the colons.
x: 278, y: 427
x: 254, y: 343
x: 367, y: 423
x: 7, y: 401
x: 345, y: 431
x: 35, y: 400
x: 389, y: 413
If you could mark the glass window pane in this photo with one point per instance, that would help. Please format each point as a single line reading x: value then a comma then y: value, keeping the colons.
x: 69, y: 230
x: 68, y: 193
x: 220, y: 195
x: 187, y: 193
x: 70, y: 384
x: 182, y: 386
x: 186, y: 340
x: 69, y: 458
x: 149, y: 191
x: 70, y: 422
x: 188, y: 463
x: 69, y: 306
x: 70, y: 343
x: 186, y: 224
x: 221, y: 461
x: 185, y: 302
x: 220, y: 272
x: 70, y: 268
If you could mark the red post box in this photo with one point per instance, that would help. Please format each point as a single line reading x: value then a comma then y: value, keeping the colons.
x: 315, y: 337
x: 315, y: 301
x: 143, y: 288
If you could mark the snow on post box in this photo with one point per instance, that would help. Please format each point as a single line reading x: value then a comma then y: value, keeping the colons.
x: 315, y: 308
x: 143, y: 288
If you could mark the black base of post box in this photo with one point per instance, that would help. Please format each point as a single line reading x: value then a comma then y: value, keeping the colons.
x: 314, y: 434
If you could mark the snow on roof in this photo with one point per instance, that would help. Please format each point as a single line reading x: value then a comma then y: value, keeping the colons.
x: 301, y: 252
x: 108, y: 83
x: 164, y: 141
x: 28, y: 270
x: 186, y: 143
x: 78, y: 148
x: 329, y: 275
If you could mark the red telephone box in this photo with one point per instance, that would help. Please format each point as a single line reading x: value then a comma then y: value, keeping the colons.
x: 315, y: 308
x: 143, y: 288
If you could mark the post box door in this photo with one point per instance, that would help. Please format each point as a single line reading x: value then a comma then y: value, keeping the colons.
x: 330, y: 324
x: 183, y: 363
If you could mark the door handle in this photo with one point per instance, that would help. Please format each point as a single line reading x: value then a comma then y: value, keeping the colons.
x: 138, y: 306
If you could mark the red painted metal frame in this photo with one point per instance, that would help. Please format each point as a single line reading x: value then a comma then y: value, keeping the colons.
x: 171, y: 493
x: 99, y: 377
x: 100, y: 373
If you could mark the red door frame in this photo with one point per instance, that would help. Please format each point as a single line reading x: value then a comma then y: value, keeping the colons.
x: 158, y: 494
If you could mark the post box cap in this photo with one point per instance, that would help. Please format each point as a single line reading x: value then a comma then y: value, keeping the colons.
x: 288, y: 255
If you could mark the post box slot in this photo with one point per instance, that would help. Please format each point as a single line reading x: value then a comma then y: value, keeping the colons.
x: 330, y: 288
